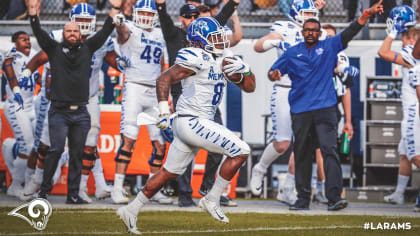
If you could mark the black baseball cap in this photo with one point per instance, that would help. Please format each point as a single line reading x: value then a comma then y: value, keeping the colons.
x: 212, y: 3
x: 189, y: 11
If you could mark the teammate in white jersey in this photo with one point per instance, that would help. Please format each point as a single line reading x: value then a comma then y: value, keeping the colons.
x: 84, y: 15
x: 402, y: 19
x: 199, y: 68
x: 144, y: 45
x: 283, y: 35
x: 21, y: 117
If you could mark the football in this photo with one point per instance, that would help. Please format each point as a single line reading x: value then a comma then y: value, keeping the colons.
x: 233, y: 78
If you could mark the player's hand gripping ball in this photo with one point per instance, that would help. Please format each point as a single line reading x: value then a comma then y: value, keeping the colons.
x: 232, y: 77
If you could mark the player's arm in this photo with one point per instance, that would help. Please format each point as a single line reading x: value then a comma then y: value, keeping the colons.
x: 346, y: 99
x: 10, y: 73
x: 416, y: 50
x: 38, y: 60
x: 387, y: 54
x: 227, y: 11
x: 162, y: 64
x: 123, y: 32
x: 248, y: 83
x: 173, y: 75
x: 268, y: 41
x: 237, y: 31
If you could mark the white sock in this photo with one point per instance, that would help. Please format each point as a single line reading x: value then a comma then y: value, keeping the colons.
x: 83, y: 183
x: 269, y: 155
x: 320, y: 186
x: 138, y: 202
x: 28, y: 173
x: 19, y: 167
x: 290, y: 180
x: 119, y: 180
x: 39, y: 173
x: 98, y: 174
x: 218, y: 187
x: 402, y: 183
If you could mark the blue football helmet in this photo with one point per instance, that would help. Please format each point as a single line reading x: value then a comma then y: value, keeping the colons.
x: 208, y: 34
x: 401, y: 17
x: 298, y: 11
x: 145, y: 21
x: 79, y: 13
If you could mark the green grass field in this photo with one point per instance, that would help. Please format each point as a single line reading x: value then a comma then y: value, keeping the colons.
x: 103, y: 222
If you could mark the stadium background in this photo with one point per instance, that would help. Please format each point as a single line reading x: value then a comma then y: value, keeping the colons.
x: 242, y: 113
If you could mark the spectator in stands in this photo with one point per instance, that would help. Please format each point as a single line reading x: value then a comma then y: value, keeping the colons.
x: 312, y: 99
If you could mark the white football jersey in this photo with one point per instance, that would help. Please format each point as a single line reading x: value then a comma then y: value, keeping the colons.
x: 292, y: 34
x: 340, y: 78
x: 410, y: 77
x: 96, y: 63
x: 27, y: 85
x: 145, y: 50
x: 203, y: 91
x: 7, y: 50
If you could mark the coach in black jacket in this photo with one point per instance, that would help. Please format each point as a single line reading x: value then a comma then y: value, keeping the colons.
x: 68, y: 117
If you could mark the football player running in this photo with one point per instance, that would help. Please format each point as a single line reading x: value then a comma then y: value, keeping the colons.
x: 84, y: 15
x: 20, y: 113
x: 199, y: 68
x: 144, y: 45
x: 401, y: 20
x: 283, y: 35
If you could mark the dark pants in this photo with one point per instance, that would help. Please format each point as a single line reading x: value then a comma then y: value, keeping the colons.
x: 212, y: 162
x: 74, y: 125
x: 320, y: 125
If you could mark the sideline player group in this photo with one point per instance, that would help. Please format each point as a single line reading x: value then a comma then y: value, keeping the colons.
x: 199, y: 68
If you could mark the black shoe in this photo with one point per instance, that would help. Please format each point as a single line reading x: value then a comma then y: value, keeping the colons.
x: 184, y: 201
x: 226, y: 201
x: 299, y: 205
x: 42, y: 195
x: 75, y: 199
x: 338, y: 205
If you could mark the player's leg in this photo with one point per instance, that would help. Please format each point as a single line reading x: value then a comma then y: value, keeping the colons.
x: 32, y: 157
x: 215, y: 138
x: 129, y: 131
x: 320, y: 181
x: 22, y: 130
x: 282, y: 134
x: 179, y: 157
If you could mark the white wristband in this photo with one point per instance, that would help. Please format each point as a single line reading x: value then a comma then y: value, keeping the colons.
x: 270, y: 43
x: 26, y: 72
x: 16, y: 89
x: 164, y: 107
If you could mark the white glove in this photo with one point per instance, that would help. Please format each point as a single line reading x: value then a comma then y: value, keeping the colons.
x: 119, y: 19
x: 123, y: 62
x: 391, y: 30
x: 236, y: 66
x: 164, y: 120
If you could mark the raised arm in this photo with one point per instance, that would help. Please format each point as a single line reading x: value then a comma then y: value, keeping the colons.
x: 38, y: 60
x: 44, y: 40
x: 387, y: 54
x: 236, y: 36
x: 168, y: 27
x: 354, y: 28
x: 227, y: 11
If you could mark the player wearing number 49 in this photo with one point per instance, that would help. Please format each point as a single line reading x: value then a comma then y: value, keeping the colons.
x: 144, y: 45
x: 199, y: 67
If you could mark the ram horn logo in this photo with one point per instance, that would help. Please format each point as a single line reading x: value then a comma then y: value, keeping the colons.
x: 39, y: 218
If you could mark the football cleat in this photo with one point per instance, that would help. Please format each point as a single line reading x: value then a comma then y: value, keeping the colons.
x: 213, y: 209
x: 14, y: 190
x: 30, y: 188
x: 118, y: 196
x: 129, y: 220
x: 287, y: 195
x: 161, y: 198
x: 83, y: 195
x: 395, y: 198
x: 257, y: 176
x: 103, y: 192
x: 319, y: 198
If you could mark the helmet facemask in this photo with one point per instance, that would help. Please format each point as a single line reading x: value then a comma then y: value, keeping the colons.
x: 217, y: 41
x: 143, y: 21
x: 86, y: 23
